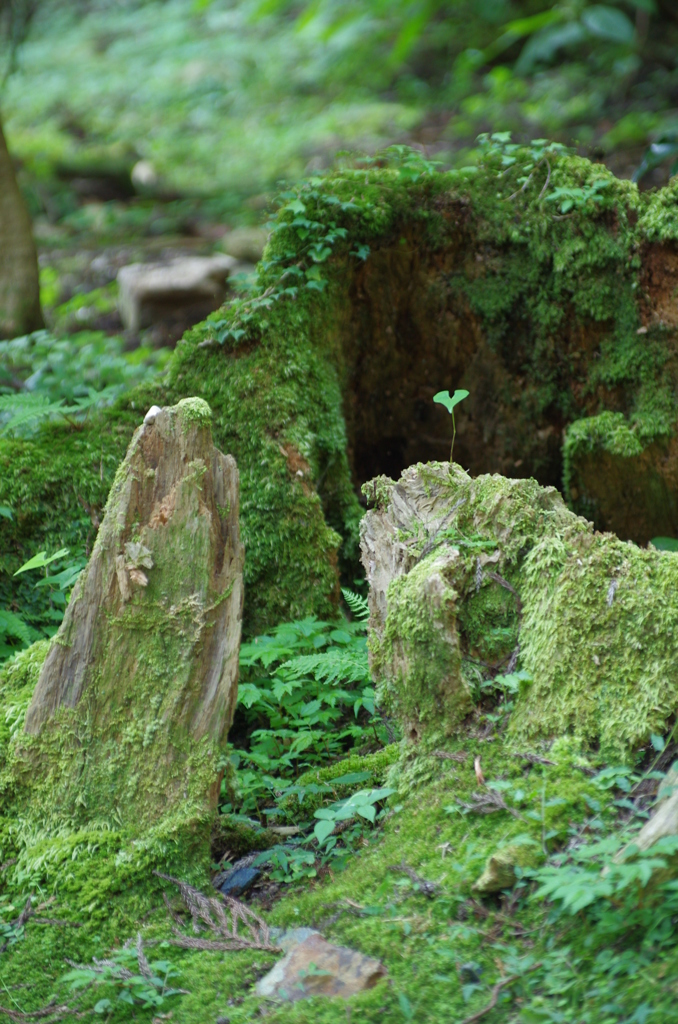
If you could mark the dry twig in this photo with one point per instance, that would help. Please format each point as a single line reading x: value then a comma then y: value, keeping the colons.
x: 209, y: 912
x: 495, y: 994
x: 29, y: 914
x: 535, y: 759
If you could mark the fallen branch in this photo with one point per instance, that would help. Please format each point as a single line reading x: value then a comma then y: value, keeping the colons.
x: 209, y: 912
x: 494, y: 995
x: 49, y: 1013
x: 428, y: 888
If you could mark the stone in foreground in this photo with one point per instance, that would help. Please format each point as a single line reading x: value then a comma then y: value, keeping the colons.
x: 139, y: 686
x: 315, y: 967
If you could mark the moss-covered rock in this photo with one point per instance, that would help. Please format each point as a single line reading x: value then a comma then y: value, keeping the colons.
x: 471, y: 577
x: 500, y: 868
x: 379, y: 287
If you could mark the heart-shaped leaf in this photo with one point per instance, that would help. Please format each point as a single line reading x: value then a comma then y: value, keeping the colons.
x: 322, y: 830
x: 449, y: 401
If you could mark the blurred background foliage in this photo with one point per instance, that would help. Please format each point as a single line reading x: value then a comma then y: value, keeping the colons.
x: 222, y: 98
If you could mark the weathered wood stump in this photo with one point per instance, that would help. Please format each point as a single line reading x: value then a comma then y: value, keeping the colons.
x: 471, y: 579
x: 139, y: 687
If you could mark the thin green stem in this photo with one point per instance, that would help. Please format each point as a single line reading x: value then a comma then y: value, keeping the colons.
x: 454, y: 434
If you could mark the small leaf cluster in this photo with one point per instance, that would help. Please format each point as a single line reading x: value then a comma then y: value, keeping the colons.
x: 20, y: 629
x: 44, y: 377
x: 121, y: 978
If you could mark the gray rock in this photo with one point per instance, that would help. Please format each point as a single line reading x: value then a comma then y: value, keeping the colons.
x: 316, y: 967
x: 246, y: 244
x: 149, y: 291
x: 288, y: 938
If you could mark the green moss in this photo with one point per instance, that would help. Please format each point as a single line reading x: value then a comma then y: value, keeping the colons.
x: 194, y: 411
x: 377, y: 764
x: 597, y: 640
x: 594, y: 616
x: 500, y: 868
x: 418, y: 658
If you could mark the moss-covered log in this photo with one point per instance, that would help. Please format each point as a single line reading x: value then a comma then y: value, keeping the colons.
x: 378, y: 288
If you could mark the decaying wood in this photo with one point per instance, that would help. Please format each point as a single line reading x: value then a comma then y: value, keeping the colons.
x: 173, y: 480
x: 146, y: 659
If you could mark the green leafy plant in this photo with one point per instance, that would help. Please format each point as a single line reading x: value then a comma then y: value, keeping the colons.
x: 577, y: 198
x: 664, y: 148
x: 44, y: 377
x: 305, y: 698
x: 362, y: 804
x: 450, y: 401
x: 130, y: 979
x: 16, y: 630
x: 15, y: 633
x: 665, y: 543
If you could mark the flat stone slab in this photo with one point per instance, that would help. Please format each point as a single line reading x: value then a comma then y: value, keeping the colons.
x: 148, y: 291
x: 316, y: 967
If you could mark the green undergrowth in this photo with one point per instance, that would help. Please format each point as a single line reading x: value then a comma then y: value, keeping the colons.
x: 404, y: 885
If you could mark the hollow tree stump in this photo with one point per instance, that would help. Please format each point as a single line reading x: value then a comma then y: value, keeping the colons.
x: 139, y: 687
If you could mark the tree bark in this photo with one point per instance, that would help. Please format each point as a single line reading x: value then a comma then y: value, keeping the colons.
x: 138, y: 690
x: 20, y: 311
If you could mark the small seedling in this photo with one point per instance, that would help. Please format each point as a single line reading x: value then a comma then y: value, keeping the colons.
x: 449, y: 401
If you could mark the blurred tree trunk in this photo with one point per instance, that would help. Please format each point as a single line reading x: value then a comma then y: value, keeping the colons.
x: 20, y: 310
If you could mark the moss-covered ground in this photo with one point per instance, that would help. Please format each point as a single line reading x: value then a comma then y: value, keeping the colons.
x: 443, y: 954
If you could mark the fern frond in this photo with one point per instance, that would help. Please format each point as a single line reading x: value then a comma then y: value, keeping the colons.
x: 358, y: 605
x: 14, y: 626
x: 335, y: 665
x: 17, y: 410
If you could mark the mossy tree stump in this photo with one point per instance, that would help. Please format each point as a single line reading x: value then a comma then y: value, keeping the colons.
x: 379, y: 288
x: 471, y: 578
x: 138, y: 689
